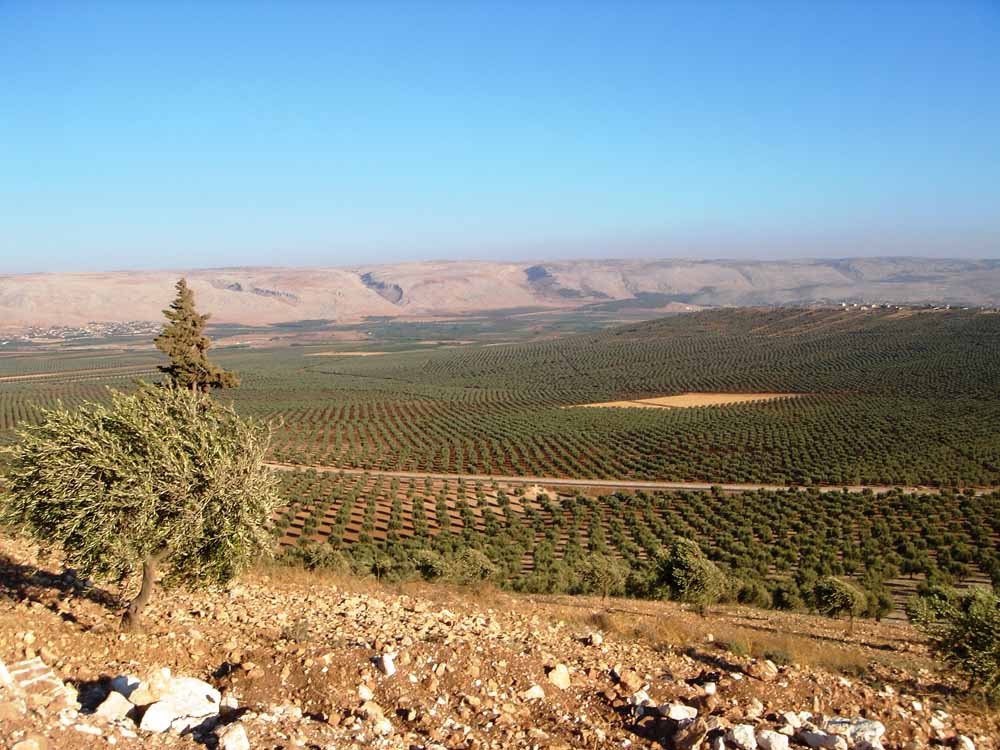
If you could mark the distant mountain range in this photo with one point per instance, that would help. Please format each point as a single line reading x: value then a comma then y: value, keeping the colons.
x: 261, y: 296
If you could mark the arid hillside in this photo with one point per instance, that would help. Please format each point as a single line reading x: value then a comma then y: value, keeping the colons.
x: 261, y: 296
x: 291, y: 659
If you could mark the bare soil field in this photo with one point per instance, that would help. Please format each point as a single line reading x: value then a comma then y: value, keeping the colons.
x: 689, y: 400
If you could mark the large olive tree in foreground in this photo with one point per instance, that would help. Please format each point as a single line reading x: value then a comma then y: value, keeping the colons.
x: 161, y: 478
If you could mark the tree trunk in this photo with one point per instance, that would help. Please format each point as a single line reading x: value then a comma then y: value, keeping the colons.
x: 132, y: 619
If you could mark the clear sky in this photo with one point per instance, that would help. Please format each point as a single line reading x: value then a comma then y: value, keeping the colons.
x: 145, y: 134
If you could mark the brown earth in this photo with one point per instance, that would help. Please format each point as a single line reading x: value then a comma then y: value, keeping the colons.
x: 689, y: 400
x: 292, y: 653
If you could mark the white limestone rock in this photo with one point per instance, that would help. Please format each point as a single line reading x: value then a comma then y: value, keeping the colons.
x: 114, y: 708
x: 742, y: 737
x: 771, y: 740
x: 234, y: 737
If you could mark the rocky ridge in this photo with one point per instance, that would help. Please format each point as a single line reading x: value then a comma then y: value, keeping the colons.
x: 275, y: 664
x: 266, y: 296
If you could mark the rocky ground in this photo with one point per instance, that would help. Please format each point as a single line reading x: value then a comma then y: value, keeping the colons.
x: 298, y: 661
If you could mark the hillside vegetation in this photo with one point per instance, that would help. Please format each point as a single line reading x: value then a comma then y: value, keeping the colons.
x: 774, y: 545
x: 888, y: 398
x: 877, y: 397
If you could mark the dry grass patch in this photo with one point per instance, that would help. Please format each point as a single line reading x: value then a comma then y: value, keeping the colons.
x: 782, y: 648
x: 806, y: 640
x: 690, y: 400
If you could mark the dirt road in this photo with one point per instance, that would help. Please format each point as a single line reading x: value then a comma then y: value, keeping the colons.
x: 608, y: 484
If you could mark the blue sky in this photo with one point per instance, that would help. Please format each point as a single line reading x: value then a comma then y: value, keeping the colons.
x: 313, y: 133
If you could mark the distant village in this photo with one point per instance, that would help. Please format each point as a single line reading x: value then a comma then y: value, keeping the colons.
x: 92, y: 330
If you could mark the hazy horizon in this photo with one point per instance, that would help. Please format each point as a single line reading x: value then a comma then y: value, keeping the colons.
x: 515, y: 261
x: 138, y: 136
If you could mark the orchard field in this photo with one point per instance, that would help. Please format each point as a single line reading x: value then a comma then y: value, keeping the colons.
x: 876, y: 397
x: 776, y: 544
x: 886, y: 397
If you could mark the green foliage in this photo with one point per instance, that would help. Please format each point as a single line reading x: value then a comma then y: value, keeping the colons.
x: 786, y: 595
x: 317, y: 556
x: 430, y: 564
x: 470, y: 567
x: 775, y: 544
x: 184, y: 341
x: 888, y: 398
x: 687, y: 575
x: 878, y: 600
x: 603, y: 574
x: 964, y: 630
x: 834, y: 597
x: 753, y: 593
x: 162, y: 473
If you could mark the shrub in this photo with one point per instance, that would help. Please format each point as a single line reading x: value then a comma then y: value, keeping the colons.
x: 878, y: 604
x: 162, y: 477
x: 753, y: 593
x: 785, y: 595
x: 470, y: 566
x: 964, y: 630
x: 835, y: 596
x: 685, y: 574
x: 313, y: 555
x: 603, y: 574
x: 429, y: 564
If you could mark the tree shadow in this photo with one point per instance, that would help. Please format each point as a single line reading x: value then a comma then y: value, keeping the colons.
x: 648, y: 726
x: 717, y: 661
x: 845, y: 639
x: 91, y: 693
x: 20, y: 582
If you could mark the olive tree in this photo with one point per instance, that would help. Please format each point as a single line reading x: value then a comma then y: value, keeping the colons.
x: 684, y: 573
x: 470, y: 567
x: 964, y: 630
x: 430, y: 564
x: 160, y: 478
x: 835, y: 596
x: 603, y: 574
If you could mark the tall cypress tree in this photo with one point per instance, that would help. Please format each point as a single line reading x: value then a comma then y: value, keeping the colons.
x: 184, y: 341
